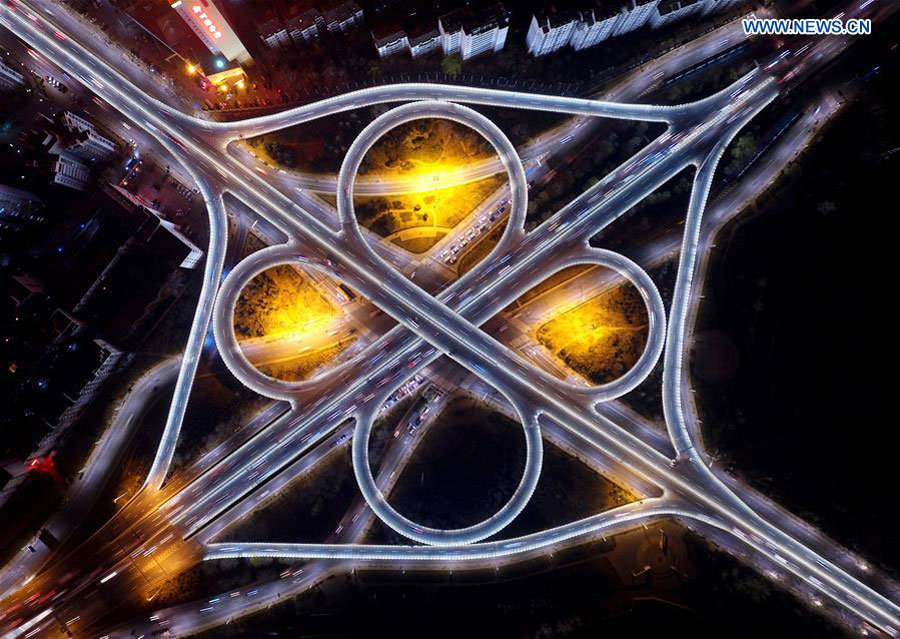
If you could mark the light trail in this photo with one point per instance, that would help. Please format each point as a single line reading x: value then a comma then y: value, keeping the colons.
x: 446, y: 330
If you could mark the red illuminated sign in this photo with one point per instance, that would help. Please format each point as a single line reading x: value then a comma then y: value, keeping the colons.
x: 207, y: 22
x: 205, y: 19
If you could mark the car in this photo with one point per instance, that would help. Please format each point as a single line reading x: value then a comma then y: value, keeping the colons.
x: 59, y: 86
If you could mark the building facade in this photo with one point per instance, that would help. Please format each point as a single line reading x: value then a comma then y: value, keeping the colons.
x: 189, y: 254
x: 450, y: 28
x: 19, y: 210
x: 635, y: 15
x: 10, y: 79
x: 596, y: 25
x: 669, y: 11
x: 273, y: 32
x: 714, y: 6
x: 69, y: 171
x: 390, y: 39
x: 305, y: 26
x: 208, y: 24
x: 86, y: 142
x: 578, y: 29
x: 550, y: 32
x: 343, y: 17
x: 484, y: 31
x: 423, y: 40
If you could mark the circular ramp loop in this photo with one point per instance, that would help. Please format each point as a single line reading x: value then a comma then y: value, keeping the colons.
x: 422, y: 110
x: 375, y: 498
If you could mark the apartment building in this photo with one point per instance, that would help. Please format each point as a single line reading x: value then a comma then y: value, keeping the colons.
x: 550, y: 32
x: 636, y: 14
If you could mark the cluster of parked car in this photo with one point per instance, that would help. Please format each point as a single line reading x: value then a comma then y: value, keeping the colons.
x: 407, y: 389
x: 483, y: 223
x: 53, y: 82
x: 249, y: 102
x: 423, y: 407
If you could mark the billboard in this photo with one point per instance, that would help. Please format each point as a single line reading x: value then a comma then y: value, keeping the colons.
x: 205, y: 20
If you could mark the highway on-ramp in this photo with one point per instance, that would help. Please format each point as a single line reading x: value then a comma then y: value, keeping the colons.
x: 698, y: 135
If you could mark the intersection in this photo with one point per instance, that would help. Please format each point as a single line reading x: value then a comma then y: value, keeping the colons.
x: 448, y: 325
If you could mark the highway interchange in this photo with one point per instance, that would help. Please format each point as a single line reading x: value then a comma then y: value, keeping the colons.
x: 430, y: 327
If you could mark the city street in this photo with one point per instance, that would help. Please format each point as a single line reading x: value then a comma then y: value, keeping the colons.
x: 176, y: 519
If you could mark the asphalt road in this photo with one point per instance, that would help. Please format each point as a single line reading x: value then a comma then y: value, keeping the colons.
x: 698, y: 135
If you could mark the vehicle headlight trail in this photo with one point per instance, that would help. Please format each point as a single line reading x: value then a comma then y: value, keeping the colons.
x: 449, y: 323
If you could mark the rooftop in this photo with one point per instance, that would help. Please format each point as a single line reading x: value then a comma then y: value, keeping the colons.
x: 387, y: 33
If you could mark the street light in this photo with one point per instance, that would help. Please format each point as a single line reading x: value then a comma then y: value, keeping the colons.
x: 191, y: 69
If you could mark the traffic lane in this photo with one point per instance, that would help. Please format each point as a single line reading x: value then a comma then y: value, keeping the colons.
x: 96, y: 470
x: 397, y: 283
x: 629, y: 87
